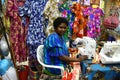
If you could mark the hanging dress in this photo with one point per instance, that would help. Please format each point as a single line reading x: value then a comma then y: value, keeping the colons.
x: 51, y: 12
x: 78, y: 26
x: 65, y: 9
x: 36, y: 34
x: 17, y: 37
x: 94, y: 21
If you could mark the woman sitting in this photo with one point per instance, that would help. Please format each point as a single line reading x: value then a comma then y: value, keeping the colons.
x: 55, y: 50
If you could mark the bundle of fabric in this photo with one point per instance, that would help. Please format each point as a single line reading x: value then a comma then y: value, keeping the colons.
x: 111, y: 22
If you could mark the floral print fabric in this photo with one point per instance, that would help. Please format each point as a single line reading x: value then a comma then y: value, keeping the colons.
x: 78, y: 25
x: 36, y: 34
x: 17, y: 35
x: 65, y: 9
x: 51, y: 12
x: 93, y: 24
x: 34, y: 9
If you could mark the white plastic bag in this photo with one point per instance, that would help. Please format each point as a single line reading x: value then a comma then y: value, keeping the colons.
x: 110, y: 53
x: 10, y: 74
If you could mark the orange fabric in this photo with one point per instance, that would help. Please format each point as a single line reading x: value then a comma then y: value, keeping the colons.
x: 78, y: 24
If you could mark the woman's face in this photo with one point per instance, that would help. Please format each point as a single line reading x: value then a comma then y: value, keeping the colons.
x: 61, y: 29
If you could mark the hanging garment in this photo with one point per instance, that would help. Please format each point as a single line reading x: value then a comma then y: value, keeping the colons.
x: 34, y: 9
x: 36, y: 34
x: 17, y: 32
x: 51, y: 12
x: 93, y: 24
x: 78, y: 25
x: 65, y: 9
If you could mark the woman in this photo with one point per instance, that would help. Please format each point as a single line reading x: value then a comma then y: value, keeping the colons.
x: 55, y: 49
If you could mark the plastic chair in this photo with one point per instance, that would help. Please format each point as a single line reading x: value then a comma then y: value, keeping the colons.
x: 40, y: 56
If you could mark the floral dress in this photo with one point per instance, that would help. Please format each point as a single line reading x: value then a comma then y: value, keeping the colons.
x: 78, y: 26
x: 94, y: 21
x: 36, y: 34
x: 65, y: 9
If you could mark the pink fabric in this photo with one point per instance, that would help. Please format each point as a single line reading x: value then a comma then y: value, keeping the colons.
x: 111, y: 22
x: 74, y: 75
x: 17, y: 32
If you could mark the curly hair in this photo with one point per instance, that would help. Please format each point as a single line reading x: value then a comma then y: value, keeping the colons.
x: 58, y: 21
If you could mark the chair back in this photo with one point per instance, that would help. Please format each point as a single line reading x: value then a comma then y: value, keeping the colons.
x: 40, y: 58
x: 40, y: 54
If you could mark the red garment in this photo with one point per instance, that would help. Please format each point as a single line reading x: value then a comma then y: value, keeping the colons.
x: 17, y: 32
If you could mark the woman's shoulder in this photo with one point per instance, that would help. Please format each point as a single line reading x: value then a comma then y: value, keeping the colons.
x: 53, y: 35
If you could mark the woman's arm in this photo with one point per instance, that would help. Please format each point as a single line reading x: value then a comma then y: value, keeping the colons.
x: 70, y: 59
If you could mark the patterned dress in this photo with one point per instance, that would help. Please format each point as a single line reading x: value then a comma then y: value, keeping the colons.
x: 36, y: 34
x: 65, y: 9
x: 78, y: 26
x: 17, y: 31
x: 93, y: 24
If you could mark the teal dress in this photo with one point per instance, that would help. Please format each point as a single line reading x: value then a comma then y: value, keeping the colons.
x: 54, y: 47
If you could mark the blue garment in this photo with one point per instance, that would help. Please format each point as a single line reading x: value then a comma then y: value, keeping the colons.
x: 36, y: 34
x: 34, y: 10
x: 54, y: 47
x: 5, y: 64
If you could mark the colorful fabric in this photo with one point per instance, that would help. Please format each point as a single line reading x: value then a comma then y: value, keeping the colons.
x: 36, y: 34
x: 74, y: 73
x: 33, y: 9
x: 17, y: 31
x: 93, y: 24
x: 51, y: 12
x: 78, y: 25
x: 99, y: 71
x: 54, y: 47
x: 65, y: 9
